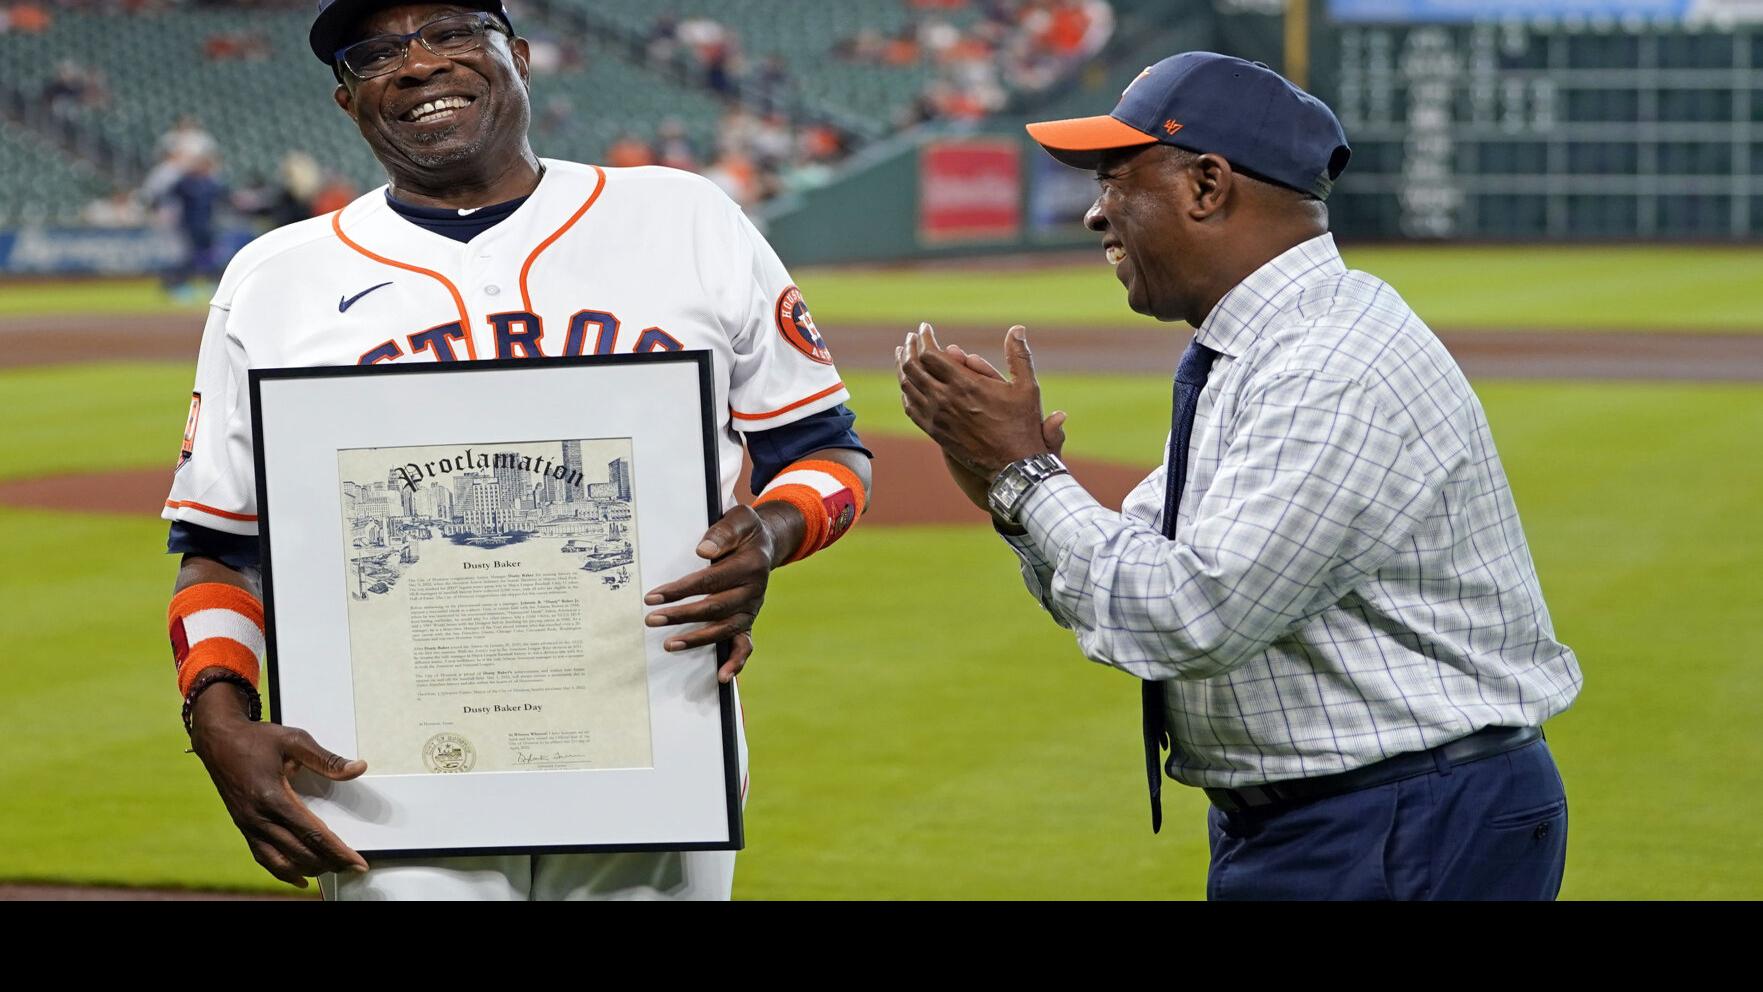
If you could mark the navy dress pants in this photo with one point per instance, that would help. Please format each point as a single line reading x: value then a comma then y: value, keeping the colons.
x: 1489, y: 829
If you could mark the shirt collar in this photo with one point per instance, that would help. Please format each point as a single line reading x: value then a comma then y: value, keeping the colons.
x: 1237, y: 320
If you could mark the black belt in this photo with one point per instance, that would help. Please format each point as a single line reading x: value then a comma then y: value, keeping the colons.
x: 1484, y: 743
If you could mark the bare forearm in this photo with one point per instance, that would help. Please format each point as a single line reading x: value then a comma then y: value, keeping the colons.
x: 856, y: 461
x: 196, y: 570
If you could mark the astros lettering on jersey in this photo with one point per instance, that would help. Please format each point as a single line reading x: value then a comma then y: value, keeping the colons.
x: 597, y: 261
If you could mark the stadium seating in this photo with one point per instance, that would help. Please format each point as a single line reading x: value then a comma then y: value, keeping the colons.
x: 863, y: 98
x: 156, y: 70
x: 43, y: 186
x: 258, y: 110
x: 598, y: 85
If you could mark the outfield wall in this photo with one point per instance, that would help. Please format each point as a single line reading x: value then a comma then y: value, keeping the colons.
x: 937, y: 195
x: 40, y: 251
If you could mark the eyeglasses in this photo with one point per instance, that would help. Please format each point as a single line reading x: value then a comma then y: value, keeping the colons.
x: 454, y: 34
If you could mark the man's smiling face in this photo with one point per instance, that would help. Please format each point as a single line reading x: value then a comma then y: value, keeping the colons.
x: 1139, y: 213
x: 437, y: 113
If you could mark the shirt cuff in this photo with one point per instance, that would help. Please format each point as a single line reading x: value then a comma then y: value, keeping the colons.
x: 1024, y: 546
x: 1054, y: 512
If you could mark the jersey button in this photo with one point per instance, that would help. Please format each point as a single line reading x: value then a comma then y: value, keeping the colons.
x: 492, y: 290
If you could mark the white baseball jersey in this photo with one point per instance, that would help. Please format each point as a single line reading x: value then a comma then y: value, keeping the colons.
x: 596, y: 261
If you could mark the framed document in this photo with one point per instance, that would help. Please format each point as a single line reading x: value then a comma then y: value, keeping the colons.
x: 454, y: 560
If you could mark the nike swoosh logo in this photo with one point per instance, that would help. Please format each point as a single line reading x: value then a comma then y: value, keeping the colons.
x: 343, y: 304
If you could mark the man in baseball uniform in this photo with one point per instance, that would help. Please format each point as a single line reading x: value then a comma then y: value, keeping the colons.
x: 477, y: 248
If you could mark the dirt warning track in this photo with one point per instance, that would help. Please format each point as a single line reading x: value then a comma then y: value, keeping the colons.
x: 912, y: 486
x: 1525, y: 354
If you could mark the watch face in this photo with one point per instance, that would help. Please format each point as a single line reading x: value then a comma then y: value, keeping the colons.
x: 1012, y: 485
x: 1009, y: 485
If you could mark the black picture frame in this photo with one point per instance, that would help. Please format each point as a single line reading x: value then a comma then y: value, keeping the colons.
x: 703, y: 361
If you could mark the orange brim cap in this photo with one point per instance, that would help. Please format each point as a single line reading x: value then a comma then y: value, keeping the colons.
x: 1080, y: 141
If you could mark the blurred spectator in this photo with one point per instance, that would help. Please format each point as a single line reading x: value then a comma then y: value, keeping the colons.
x: 334, y: 195
x: 545, y: 56
x: 195, y: 200
x: 289, y: 197
x: 820, y: 143
x: 27, y: 18
x: 629, y: 151
x: 179, y: 149
x: 704, y: 36
x: 187, y: 141
x: 736, y: 130
x: 663, y: 45
x: 1022, y: 45
x: 864, y: 46
x: 119, y: 209
x: 1061, y: 27
x: 673, y: 147
x: 902, y: 48
x: 771, y: 84
x: 939, y: 38
x: 301, y: 179
x: 734, y: 174
x: 718, y: 74
x: 772, y: 141
x: 236, y: 46
x: 74, y: 86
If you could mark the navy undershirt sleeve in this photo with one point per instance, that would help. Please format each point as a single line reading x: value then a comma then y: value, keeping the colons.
x: 232, y: 550
x: 773, y: 450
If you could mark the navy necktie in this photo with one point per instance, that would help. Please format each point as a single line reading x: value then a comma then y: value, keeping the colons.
x: 1190, y: 378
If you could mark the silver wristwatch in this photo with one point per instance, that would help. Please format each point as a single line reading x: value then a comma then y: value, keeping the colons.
x: 1010, y: 489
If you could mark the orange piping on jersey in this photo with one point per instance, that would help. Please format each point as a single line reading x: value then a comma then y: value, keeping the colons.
x: 526, y: 299
x: 458, y: 301
x: 192, y: 504
x: 804, y: 401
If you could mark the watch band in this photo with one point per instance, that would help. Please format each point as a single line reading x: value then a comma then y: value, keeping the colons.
x: 1009, y: 491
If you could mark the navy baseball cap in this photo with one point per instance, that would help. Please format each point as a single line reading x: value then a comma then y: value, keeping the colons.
x: 336, y: 18
x: 1206, y: 102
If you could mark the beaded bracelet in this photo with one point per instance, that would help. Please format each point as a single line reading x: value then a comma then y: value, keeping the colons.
x: 210, y: 678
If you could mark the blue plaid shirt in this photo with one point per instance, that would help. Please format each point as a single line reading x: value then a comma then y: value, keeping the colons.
x: 1348, y: 579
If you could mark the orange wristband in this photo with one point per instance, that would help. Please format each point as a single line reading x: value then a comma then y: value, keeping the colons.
x: 829, y: 496
x: 215, y: 625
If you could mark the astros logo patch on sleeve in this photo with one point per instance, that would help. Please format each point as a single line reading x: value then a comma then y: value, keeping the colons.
x: 797, y: 326
x: 189, y: 447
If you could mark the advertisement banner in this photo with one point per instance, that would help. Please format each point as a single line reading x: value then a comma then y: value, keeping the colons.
x: 969, y: 190
x: 1058, y: 198
x: 101, y: 251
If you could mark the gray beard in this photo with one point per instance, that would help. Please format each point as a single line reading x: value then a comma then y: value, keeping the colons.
x: 436, y: 158
x: 468, y: 152
x: 433, y: 159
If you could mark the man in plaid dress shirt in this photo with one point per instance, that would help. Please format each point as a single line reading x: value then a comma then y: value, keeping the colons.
x: 1325, y: 586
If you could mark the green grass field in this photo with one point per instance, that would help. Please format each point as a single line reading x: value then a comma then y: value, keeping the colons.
x: 1683, y: 288
x: 919, y: 729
